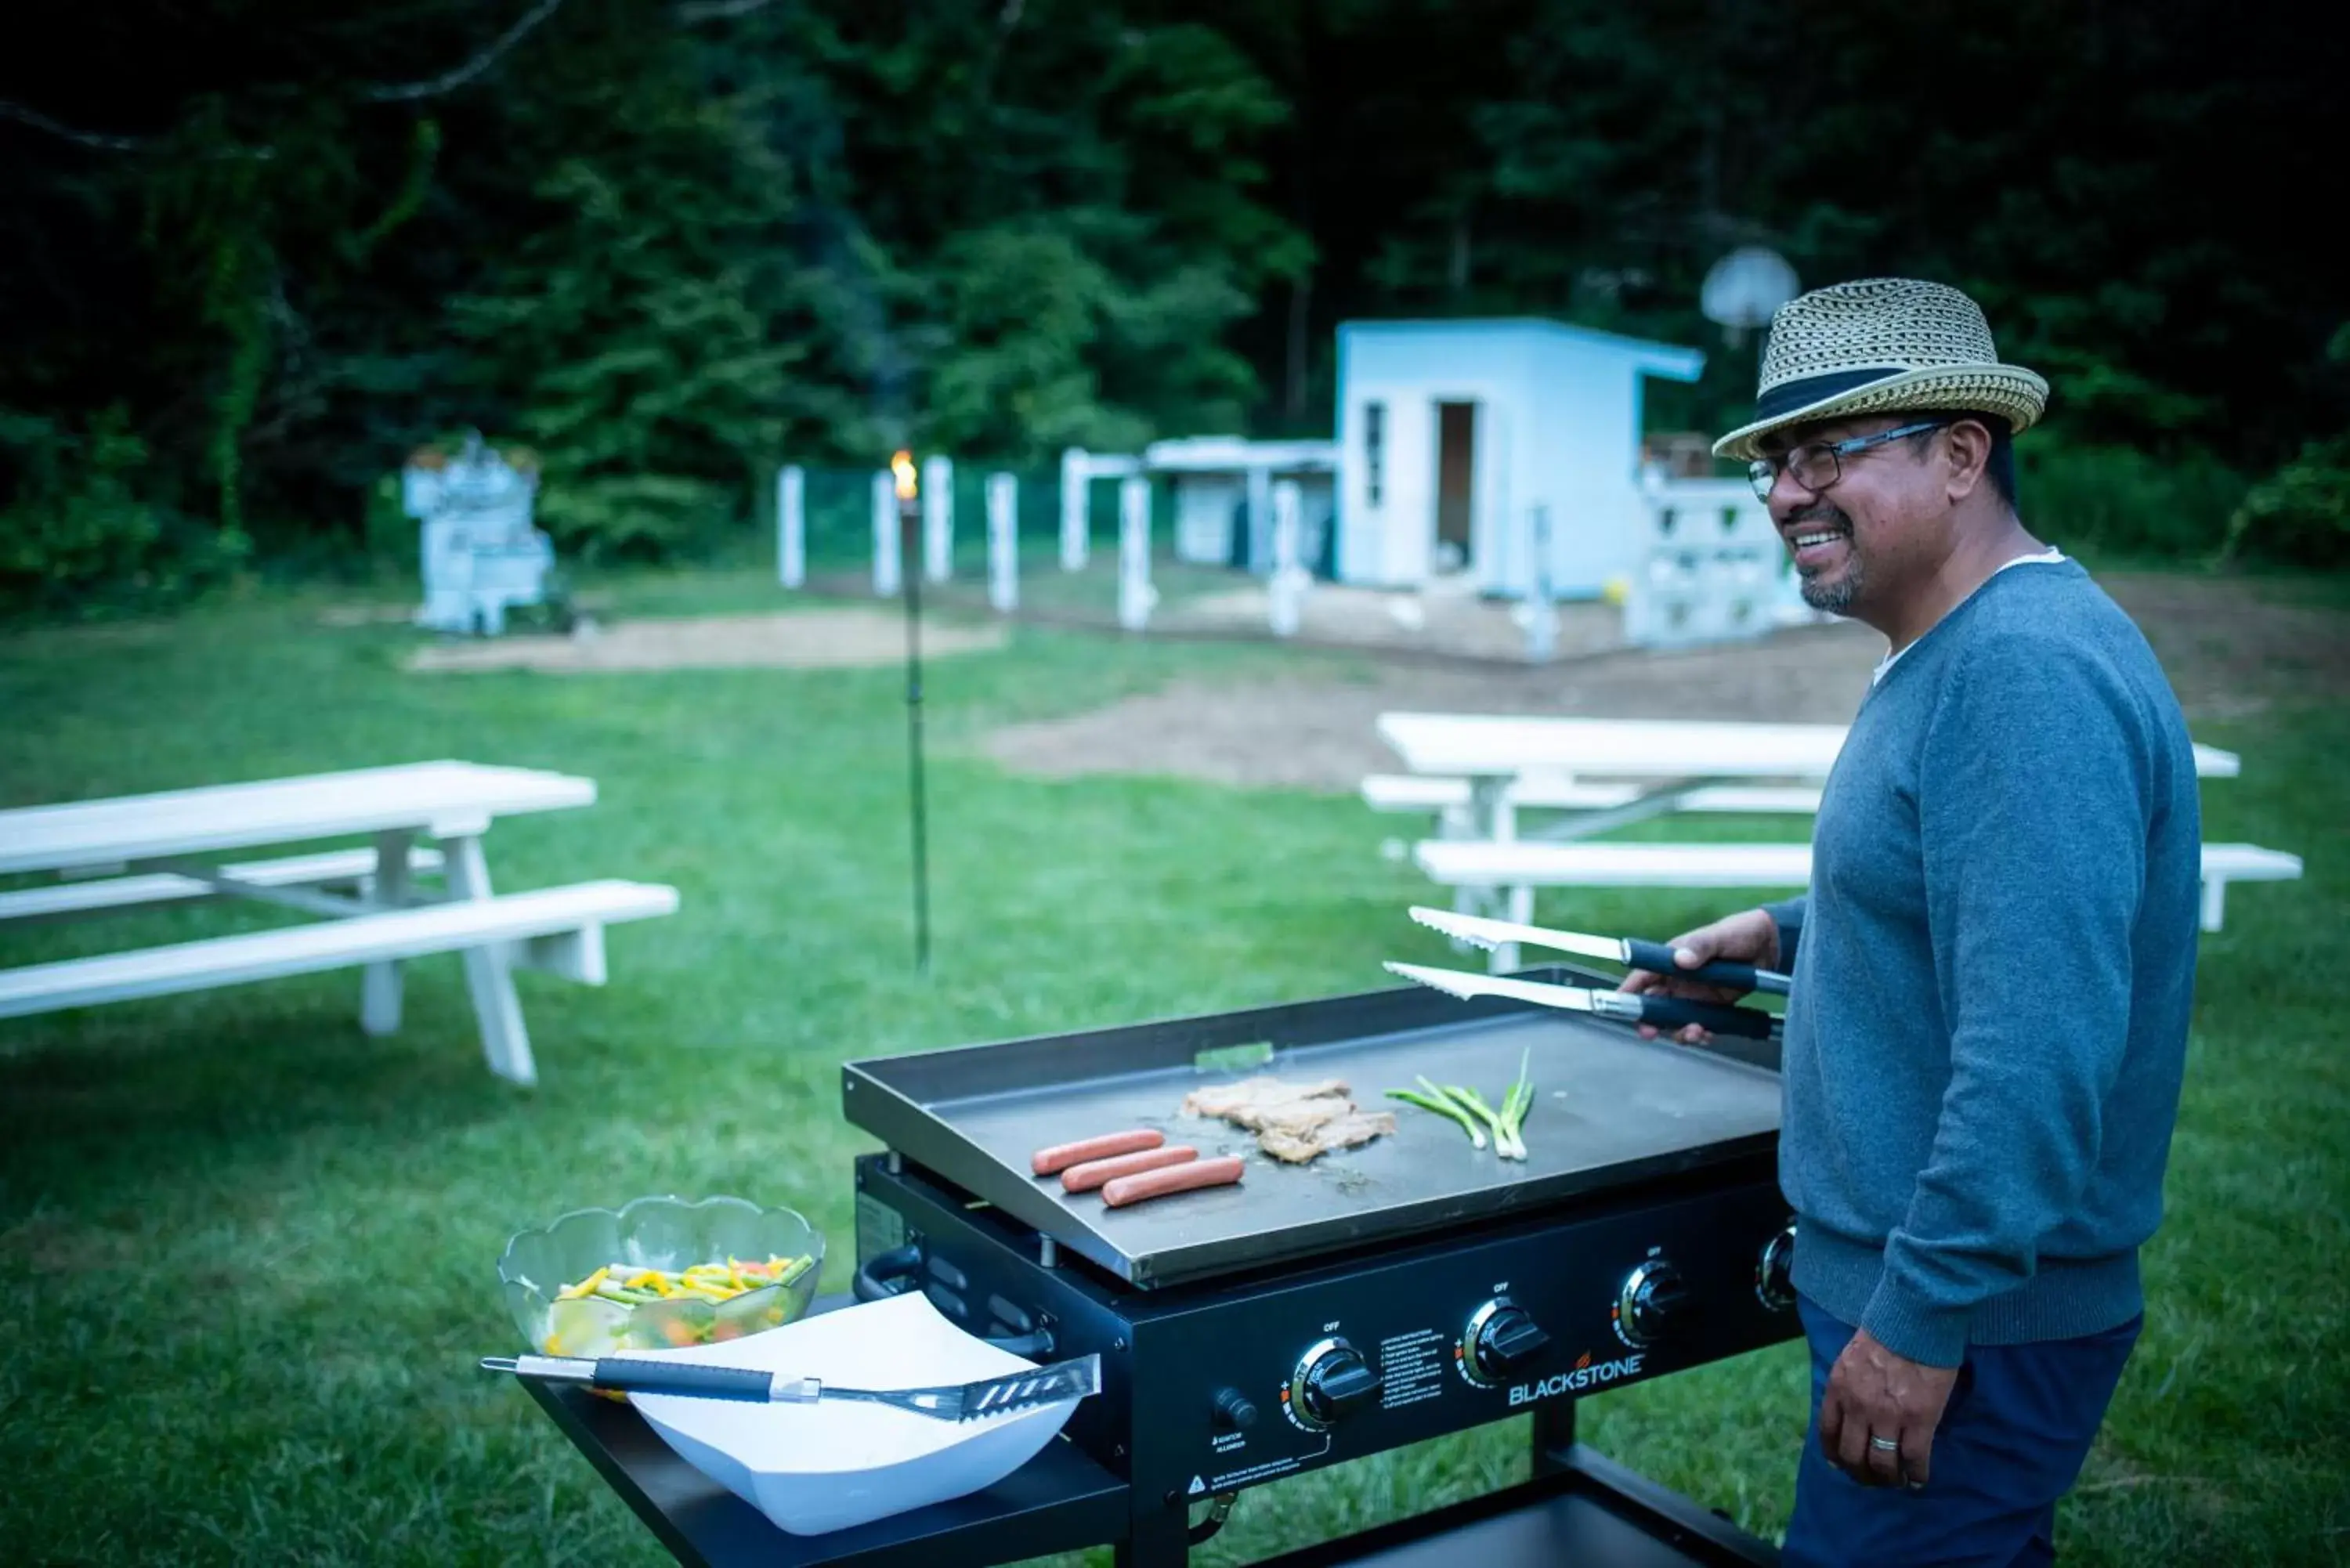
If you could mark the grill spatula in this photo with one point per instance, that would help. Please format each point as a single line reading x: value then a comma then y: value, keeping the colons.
x: 989, y: 1396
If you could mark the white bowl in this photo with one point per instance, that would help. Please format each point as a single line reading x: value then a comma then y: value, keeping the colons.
x: 813, y: 1469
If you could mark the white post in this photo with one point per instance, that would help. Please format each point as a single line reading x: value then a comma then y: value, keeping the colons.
x: 1076, y: 474
x: 885, y: 564
x: 791, y: 527
x: 1541, y: 620
x: 1258, y: 551
x: 937, y: 517
x: 1135, y: 593
x: 1286, y: 592
x: 1004, y: 542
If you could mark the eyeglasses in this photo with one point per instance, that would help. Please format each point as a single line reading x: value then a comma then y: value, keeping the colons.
x: 1821, y: 463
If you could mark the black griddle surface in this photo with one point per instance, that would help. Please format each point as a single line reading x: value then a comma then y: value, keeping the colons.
x: 1610, y: 1110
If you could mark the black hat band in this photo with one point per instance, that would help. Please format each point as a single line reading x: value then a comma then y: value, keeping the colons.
x: 1788, y: 396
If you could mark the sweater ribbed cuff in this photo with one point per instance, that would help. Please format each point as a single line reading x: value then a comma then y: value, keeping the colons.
x: 1788, y: 916
x: 1904, y: 1322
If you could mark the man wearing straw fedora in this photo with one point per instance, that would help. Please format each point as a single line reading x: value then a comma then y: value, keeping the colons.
x: 1993, y: 965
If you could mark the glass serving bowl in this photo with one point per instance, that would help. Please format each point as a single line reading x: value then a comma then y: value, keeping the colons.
x: 542, y: 1270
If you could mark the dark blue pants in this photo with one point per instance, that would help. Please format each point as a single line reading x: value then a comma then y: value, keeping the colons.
x: 2012, y: 1438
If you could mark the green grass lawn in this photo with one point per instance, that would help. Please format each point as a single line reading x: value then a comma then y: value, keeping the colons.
x: 251, y: 1252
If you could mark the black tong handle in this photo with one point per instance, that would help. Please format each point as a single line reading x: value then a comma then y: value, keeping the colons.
x: 1670, y: 1012
x: 1658, y: 958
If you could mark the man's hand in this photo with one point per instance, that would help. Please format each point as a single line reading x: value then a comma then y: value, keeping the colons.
x: 1874, y: 1394
x: 1749, y: 937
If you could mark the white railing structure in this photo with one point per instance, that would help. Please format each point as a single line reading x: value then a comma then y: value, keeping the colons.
x: 938, y: 518
x: 1003, y: 543
x: 1080, y: 469
x: 1223, y: 493
x: 1135, y: 596
x: 791, y: 527
x: 888, y: 568
x: 1711, y: 567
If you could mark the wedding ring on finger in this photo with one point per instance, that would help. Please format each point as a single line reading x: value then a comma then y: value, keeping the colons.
x: 1885, y: 1445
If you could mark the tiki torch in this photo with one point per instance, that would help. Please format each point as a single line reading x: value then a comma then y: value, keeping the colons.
x: 910, y: 516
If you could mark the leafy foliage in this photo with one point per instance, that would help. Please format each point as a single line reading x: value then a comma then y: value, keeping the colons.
x: 74, y: 517
x: 628, y: 330
x: 74, y: 514
x: 2121, y: 501
x: 2301, y: 513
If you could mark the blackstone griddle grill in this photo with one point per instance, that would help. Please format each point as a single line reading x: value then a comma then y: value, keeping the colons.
x: 1401, y: 1291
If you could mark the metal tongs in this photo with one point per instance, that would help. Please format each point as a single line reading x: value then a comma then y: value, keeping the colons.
x: 967, y: 1402
x: 1664, y: 1013
x: 1630, y: 951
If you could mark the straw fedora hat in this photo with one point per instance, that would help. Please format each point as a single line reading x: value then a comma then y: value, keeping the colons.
x: 1882, y: 346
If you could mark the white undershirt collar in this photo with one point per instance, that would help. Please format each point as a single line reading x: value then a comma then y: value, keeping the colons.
x: 2044, y: 558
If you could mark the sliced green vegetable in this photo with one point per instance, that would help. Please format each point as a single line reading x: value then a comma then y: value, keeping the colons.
x: 1505, y: 1142
x: 1468, y: 1107
x: 1508, y: 1138
x: 1435, y: 1101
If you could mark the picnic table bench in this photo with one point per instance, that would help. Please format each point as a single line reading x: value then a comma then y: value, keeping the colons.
x: 139, y: 851
x: 1478, y: 772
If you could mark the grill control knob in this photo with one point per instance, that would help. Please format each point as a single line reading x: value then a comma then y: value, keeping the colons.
x: 1235, y: 1411
x: 1773, y: 1273
x: 1332, y: 1382
x: 1511, y: 1341
x: 1653, y: 1294
x: 1503, y: 1338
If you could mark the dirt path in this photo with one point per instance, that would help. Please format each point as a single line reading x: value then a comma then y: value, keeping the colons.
x: 2228, y: 649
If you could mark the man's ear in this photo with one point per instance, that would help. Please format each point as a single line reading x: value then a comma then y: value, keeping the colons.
x: 1968, y: 450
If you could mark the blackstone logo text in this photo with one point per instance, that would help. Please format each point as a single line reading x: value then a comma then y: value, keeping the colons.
x: 1597, y: 1375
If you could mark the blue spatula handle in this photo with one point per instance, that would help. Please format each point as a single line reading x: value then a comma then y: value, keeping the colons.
x: 628, y: 1375
x: 1670, y: 1012
x: 1657, y: 958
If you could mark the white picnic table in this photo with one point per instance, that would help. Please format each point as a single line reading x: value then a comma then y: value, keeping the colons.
x: 1479, y: 771
x: 127, y: 852
x: 1670, y: 759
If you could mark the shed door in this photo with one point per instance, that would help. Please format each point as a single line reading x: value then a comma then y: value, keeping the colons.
x: 1456, y: 471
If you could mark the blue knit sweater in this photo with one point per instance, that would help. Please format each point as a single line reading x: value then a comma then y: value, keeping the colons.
x: 1992, y: 973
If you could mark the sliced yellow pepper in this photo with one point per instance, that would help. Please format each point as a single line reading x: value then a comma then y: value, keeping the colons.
x: 714, y: 1282
x: 586, y: 1287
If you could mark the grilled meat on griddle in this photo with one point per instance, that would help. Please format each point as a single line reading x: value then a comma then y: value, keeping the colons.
x: 1251, y: 1102
x: 1340, y: 1132
x: 1295, y: 1123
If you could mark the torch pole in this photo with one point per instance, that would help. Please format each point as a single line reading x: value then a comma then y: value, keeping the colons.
x: 918, y: 808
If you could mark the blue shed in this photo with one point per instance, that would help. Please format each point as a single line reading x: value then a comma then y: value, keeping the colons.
x: 1455, y: 436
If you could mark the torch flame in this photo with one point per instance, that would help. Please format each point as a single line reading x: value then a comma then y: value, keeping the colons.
x: 902, y: 465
